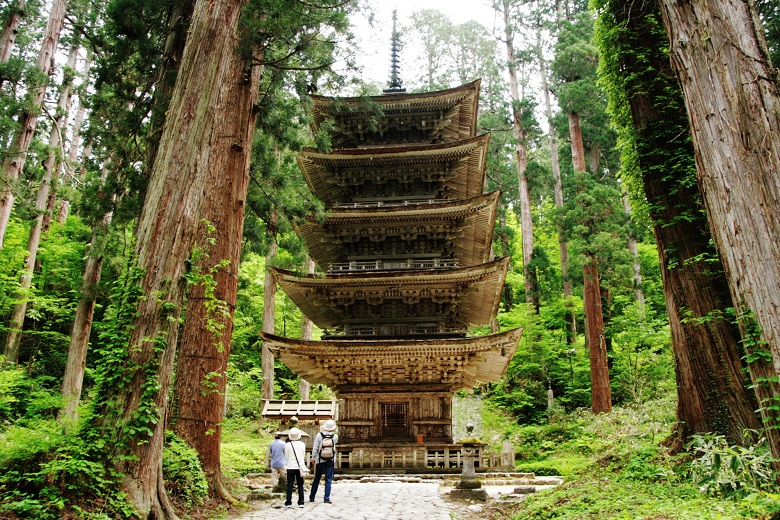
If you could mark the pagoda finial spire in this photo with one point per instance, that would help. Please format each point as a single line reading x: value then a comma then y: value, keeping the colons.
x: 395, y: 85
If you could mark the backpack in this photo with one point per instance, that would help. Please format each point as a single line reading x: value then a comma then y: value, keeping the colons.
x: 327, y: 448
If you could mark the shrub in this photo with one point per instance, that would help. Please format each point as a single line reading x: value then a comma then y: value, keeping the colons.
x: 244, y: 392
x: 240, y: 458
x: 724, y: 470
x: 183, y: 473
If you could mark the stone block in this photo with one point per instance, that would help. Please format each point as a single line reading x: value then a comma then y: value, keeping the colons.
x: 479, y: 495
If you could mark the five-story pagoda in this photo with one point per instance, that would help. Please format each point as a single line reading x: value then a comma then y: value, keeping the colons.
x: 406, y: 271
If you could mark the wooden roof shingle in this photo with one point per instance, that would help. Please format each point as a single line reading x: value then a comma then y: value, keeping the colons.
x: 455, y: 363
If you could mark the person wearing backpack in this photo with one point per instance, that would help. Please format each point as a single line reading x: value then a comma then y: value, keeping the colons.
x: 324, y: 454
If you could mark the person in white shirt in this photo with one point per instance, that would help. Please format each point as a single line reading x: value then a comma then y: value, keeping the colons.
x: 324, y: 454
x: 295, y: 453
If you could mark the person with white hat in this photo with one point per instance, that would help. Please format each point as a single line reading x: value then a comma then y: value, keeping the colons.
x: 324, y: 454
x: 295, y: 453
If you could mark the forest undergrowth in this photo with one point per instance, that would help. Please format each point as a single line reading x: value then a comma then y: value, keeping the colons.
x: 615, y: 466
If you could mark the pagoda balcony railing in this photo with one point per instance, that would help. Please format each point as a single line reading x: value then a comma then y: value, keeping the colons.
x: 387, y: 265
x: 402, y: 329
x: 388, y: 204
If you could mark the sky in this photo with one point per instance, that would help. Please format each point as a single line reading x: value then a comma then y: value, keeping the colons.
x: 374, y: 41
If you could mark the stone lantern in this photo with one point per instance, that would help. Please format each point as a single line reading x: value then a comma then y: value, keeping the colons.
x: 469, y: 449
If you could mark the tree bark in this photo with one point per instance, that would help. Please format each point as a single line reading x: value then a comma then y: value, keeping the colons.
x: 17, y: 153
x: 82, y: 323
x: 269, y: 310
x: 73, y: 150
x: 563, y: 244
x: 178, y: 21
x: 196, y: 143
x: 204, y: 350
x: 577, y: 146
x: 306, y: 332
x: 50, y: 166
x: 731, y: 94
x: 56, y: 158
x: 601, y: 393
x: 712, y: 387
x: 521, y: 155
x: 10, y: 29
x: 634, y: 250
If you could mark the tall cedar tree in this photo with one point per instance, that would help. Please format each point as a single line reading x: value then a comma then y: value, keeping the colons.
x: 208, y: 328
x: 731, y: 93
x: 294, y: 37
x: 563, y: 244
x: 14, y: 161
x: 647, y: 105
x: 574, y: 67
x: 507, y: 9
x: 205, y: 108
x: 13, y: 17
x: 115, y: 89
x: 51, y: 173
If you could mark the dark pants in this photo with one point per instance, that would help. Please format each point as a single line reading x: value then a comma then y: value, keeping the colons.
x: 326, y: 468
x: 294, y: 476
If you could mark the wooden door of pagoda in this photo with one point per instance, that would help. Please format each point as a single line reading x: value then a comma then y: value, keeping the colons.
x: 394, y: 420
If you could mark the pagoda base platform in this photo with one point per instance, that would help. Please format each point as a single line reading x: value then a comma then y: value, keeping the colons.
x: 430, y: 457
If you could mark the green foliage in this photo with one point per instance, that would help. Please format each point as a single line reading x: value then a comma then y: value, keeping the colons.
x: 244, y: 392
x: 183, y: 473
x: 10, y: 379
x: 769, y: 11
x: 730, y: 471
x: 25, y: 397
x: 44, y: 473
x: 244, y: 447
x: 614, y: 467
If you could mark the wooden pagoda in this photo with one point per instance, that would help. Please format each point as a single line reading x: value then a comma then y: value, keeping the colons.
x: 406, y: 270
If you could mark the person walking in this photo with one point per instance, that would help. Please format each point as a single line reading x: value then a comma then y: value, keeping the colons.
x: 295, y: 453
x: 278, y: 462
x: 324, y: 454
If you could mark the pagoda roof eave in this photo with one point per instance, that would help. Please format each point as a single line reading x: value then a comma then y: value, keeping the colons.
x: 460, y: 163
x: 393, y: 152
x: 473, y: 218
x: 455, y: 108
x: 400, y: 97
x: 456, y: 362
x: 477, y: 288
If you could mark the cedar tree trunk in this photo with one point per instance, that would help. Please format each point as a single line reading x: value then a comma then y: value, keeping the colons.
x: 51, y: 172
x: 563, y: 244
x: 601, y: 393
x: 196, y: 143
x: 10, y: 29
x: 731, y: 94
x: 208, y: 328
x: 712, y: 385
x: 521, y: 155
x: 269, y: 309
x: 14, y: 161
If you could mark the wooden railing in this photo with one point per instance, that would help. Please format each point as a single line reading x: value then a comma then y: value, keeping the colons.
x: 387, y: 204
x: 387, y: 265
x: 439, y: 458
x: 399, y: 330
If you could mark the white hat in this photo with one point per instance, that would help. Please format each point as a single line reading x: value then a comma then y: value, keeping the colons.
x: 329, y: 425
x: 294, y: 434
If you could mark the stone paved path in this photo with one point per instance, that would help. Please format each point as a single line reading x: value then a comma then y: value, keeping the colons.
x: 364, y: 501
